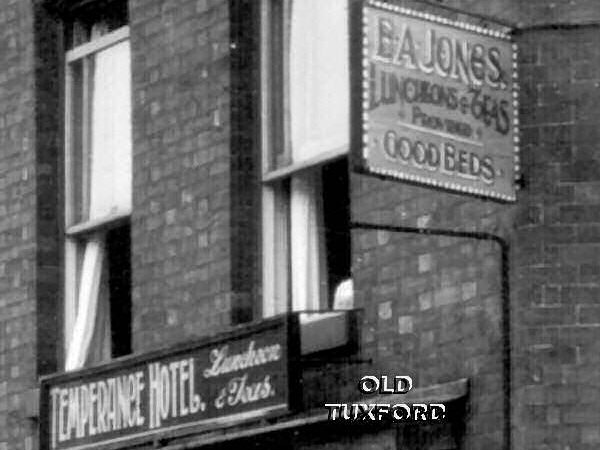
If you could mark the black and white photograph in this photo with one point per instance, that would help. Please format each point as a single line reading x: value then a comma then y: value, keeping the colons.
x: 299, y: 224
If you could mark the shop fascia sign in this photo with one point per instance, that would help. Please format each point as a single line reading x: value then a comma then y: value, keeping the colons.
x: 439, y: 102
x: 242, y: 376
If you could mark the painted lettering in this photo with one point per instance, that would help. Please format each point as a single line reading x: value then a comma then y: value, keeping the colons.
x: 473, y: 64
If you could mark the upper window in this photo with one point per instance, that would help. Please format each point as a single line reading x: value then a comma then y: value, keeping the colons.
x: 98, y: 189
x: 306, y: 236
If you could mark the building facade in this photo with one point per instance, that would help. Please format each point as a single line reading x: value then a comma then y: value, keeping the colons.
x: 179, y: 179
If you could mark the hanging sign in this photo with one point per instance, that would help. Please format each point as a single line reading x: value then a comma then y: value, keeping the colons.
x: 439, y: 104
x: 242, y: 376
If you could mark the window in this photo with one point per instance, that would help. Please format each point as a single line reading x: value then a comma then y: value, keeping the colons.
x: 97, y: 189
x: 306, y: 236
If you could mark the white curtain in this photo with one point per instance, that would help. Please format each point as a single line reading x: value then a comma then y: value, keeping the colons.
x: 319, y: 77
x: 309, y: 281
x: 110, y: 177
x: 90, y: 315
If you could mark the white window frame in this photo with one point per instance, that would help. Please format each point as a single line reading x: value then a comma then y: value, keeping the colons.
x: 86, y: 230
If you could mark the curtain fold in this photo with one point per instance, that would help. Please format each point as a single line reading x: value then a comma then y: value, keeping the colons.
x: 110, y: 177
x: 88, y: 297
x: 100, y: 347
x: 319, y: 77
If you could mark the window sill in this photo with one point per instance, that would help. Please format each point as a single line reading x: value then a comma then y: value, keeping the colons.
x: 326, y: 330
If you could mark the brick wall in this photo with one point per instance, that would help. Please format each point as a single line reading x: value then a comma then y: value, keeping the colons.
x: 17, y: 249
x: 557, y: 325
x: 552, y: 233
x: 526, y: 13
x: 433, y: 304
x: 181, y: 135
x: 28, y: 226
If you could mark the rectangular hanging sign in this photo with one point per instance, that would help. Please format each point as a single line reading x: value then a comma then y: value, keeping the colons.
x: 241, y: 376
x: 439, y: 102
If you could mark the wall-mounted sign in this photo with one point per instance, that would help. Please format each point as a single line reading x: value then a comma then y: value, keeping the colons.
x: 439, y: 103
x: 243, y: 376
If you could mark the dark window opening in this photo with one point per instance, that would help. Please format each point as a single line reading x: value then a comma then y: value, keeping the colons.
x: 118, y: 246
x: 90, y: 20
x: 336, y: 220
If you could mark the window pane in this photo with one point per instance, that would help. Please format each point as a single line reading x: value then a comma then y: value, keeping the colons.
x: 77, y: 131
x: 118, y: 246
x: 110, y: 166
x: 336, y: 218
x: 319, y: 77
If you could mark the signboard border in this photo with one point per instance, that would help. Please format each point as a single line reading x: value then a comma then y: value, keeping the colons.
x: 291, y: 329
x: 359, y: 63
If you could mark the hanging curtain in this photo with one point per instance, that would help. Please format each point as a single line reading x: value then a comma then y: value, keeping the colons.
x: 319, y: 77
x: 110, y: 177
x: 309, y: 280
x: 89, y: 313
x: 100, y: 348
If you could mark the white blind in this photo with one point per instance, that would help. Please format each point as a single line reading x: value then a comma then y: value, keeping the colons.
x: 110, y: 173
x: 319, y: 77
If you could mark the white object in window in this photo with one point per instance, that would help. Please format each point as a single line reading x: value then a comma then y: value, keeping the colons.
x: 343, y: 298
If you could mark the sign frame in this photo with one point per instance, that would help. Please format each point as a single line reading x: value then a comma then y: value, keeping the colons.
x: 361, y: 103
x: 285, y: 326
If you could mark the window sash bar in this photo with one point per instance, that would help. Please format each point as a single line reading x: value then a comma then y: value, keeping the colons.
x: 96, y: 45
x: 95, y: 225
x: 322, y: 158
x: 68, y: 136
